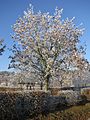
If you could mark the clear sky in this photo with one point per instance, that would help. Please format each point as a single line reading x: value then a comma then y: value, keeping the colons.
x: 10, y: 10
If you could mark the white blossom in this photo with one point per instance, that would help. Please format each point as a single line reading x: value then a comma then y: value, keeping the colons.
x: 47, y: 45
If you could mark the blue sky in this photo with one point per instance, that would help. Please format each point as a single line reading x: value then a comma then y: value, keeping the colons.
x: 10, y: 10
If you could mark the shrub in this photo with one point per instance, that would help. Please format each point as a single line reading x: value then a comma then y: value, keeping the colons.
x: 20, y: 105
x: 72, y: 97
x: 86, y: 92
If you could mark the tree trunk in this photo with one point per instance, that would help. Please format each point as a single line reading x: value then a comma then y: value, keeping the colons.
x: 41, y: 86
x: 46, y: 85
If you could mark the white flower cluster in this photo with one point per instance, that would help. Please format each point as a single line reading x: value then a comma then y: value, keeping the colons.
x: 47, y: 44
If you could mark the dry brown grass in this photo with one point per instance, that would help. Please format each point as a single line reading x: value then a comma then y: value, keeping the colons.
x: 7, y: 89
x: 73, y: 113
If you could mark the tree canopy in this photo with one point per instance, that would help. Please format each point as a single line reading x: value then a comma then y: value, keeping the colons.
x: 47, y: 45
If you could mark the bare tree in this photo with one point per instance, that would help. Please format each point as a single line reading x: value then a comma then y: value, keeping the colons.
x: 2, y: 47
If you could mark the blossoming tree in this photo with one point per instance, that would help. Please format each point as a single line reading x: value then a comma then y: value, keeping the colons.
x: 47, y: 45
